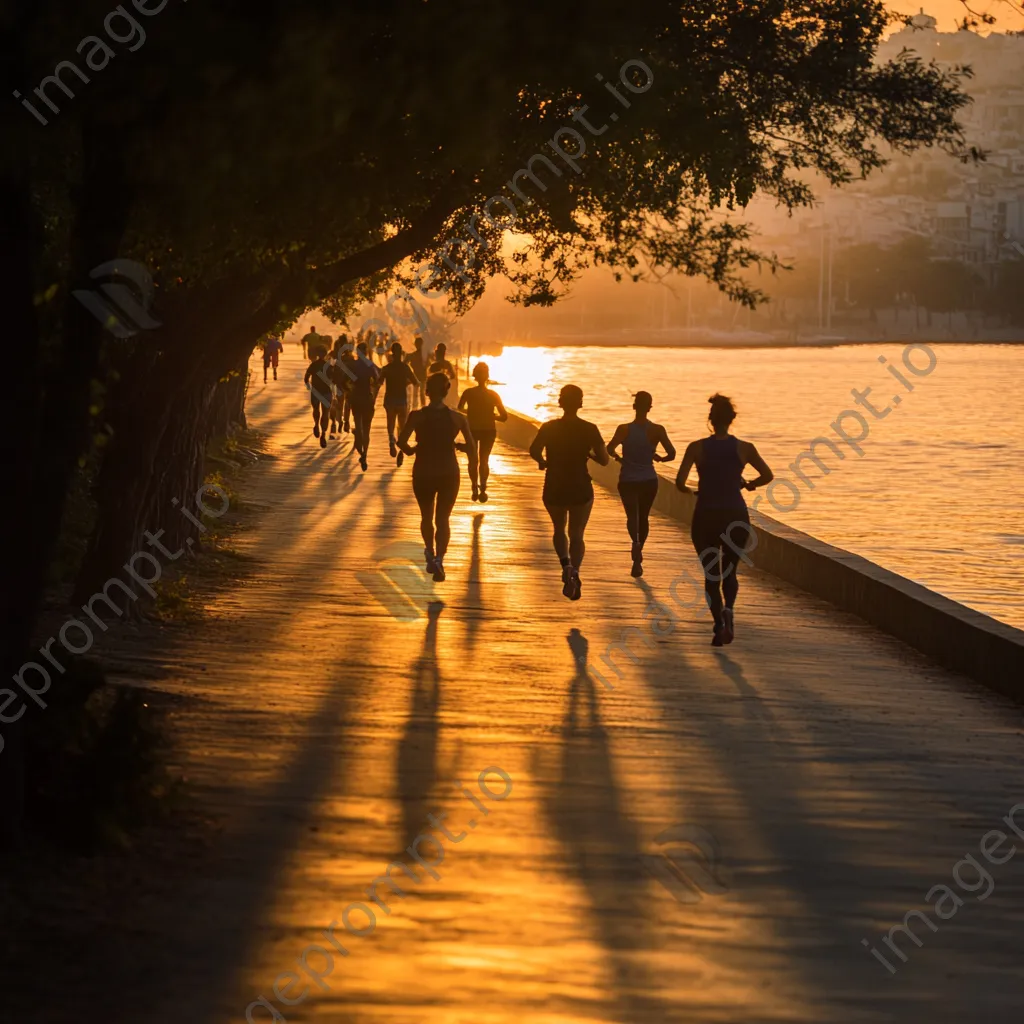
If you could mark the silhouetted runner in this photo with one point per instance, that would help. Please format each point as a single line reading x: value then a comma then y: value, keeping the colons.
x: 721, y: 524
x: 440, y: 364
x: 344, y: 376
x: 638, y: 481
x: 309, y: 341
x: 562, y: 448
x: 272, y: 350
x: 435, y: 473
x: 397, y: 376
x: 483, y: 407
x: 363, y: 397
x: 418, y: 364
x: 337, y: 376
x: 318, y: 381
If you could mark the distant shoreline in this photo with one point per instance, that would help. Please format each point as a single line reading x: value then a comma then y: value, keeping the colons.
x: 562, y: 342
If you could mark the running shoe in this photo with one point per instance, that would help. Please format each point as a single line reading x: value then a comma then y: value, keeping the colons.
x: 362, y: 463
x: 475, y: 496
x: 637, y: 570
x: 316, y: 430
x: 716, y: 640
x: 570, y: 583
x: 394, y: 450
x: 577, y: 589
x: 483, y: 496
x: 400, y: 459
x: 728, y: 632
x: 428, y: 557
x: 323, y: 440
x: 438, y: 571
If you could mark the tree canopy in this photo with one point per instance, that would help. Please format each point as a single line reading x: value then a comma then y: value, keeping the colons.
x: 277, y: 156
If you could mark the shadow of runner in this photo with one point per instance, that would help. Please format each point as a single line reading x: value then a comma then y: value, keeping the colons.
x: 474, y: 608
x: 602, y: 844
x: 753, y: 705
x: 222, y: 918
x: 793, y: 863
x: 417, y: 748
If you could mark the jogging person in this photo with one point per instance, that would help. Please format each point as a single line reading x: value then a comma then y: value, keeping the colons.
x: 344, y: 375
x: 397, y: 376
x: 363, y: 397
x: 483, y: 407
x: 336, y: 374
x: 562, y: 448
x: 435, y: 473
x: 440, y: 364
x: 418, y: 363
x: 721, y: 524
x: 319, y: 384
x: 309, y: 341
x: 638, y: 481
x: 272, y: 350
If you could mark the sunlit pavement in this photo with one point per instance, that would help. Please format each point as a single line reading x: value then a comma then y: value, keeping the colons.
x: 840, y: 775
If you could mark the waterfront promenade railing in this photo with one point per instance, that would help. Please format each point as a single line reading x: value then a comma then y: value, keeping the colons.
x: 949, y: 633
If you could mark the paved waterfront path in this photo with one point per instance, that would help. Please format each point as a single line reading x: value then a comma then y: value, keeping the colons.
x: 841, y: 775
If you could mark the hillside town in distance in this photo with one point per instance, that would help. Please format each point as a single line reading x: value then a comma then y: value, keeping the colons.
x: 929, y: 247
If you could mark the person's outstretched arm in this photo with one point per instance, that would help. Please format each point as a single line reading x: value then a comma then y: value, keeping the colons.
x: 689, y: 460
x: 753, y: 457
x: 537, y: 448
x: 599, y: 449
x: 670, y: 451
x: 499, y: 405
x: 617, y: 438
x: 403, y: 437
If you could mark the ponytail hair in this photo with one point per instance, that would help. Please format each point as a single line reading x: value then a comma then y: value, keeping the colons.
x: 722, y: 413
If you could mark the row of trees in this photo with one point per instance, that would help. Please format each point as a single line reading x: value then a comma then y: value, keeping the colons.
x: 259, y: 161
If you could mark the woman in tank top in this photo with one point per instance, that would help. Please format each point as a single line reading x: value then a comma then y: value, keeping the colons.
x: 483, y: 408
x: 638, y: 480
x: 720, y: 530
x: 435, y: 473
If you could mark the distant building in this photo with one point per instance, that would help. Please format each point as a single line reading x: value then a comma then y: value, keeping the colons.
x: 924, y: 22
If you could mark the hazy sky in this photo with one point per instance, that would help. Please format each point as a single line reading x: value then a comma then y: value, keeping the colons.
x: 949, y: 12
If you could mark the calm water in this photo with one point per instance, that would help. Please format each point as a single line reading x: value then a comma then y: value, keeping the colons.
x: 936, y: 495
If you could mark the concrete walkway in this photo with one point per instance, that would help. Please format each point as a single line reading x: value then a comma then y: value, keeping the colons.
x: 818, y: 778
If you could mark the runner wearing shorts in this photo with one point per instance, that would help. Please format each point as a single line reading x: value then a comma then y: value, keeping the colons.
x: 397, y: 376
x: 483, y: 407
x: 562, y: 448
x: 436, y: 473
x: 319, y: 383
x: 272, y: 350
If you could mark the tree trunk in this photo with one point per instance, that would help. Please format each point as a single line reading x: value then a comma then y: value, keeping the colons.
x: 52, y: 425
x: 153, y: 467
